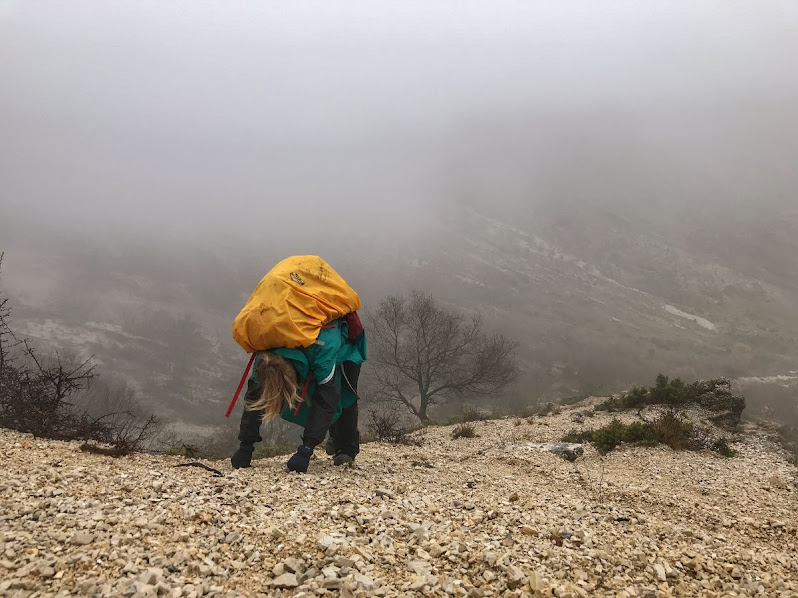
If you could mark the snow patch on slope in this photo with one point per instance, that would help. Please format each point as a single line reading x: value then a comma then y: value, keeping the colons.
x: 703, y: 322
x: 770, y: 379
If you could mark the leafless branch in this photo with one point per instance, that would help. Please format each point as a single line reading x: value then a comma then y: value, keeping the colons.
x: 426, y: 354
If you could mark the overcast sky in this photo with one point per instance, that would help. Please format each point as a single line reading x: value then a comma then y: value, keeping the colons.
x: 173, y: 119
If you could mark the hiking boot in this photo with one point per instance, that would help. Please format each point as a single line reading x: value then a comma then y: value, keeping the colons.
x: 329, y: 447
x: 344, y: 459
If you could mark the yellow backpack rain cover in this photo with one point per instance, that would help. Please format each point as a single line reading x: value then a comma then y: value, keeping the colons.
x: 292, y: 302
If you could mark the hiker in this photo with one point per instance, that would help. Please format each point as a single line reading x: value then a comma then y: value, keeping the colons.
x: 315, y: 387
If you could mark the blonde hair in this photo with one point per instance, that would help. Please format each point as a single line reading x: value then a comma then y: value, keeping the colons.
x: 277, y: 378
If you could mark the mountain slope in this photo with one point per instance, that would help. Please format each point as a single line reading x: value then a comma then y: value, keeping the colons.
x: 610, y: 300
x: 471, y: 517
x: 600, y: 294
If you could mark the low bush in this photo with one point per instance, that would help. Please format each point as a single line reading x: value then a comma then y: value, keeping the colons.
x: 472, y: 414
x: 550, y: 409
x: 464, y: 430
x: 579, y: 436
x: 713, y: 395
x: 722, y: 447
x: 44, y: 396
x: 672, y: 430
x: 616, y: 434
x: 40, y: 395
x: 389, y: 426
x: 669, y: 428
x: 386, y: 426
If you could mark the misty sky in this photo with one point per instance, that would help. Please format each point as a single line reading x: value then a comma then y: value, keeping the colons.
x: 177, y: 120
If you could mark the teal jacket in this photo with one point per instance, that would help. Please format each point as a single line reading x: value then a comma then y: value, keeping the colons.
x: 316, y: 364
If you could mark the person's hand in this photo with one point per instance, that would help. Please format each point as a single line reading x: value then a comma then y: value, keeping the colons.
x: 243, y: 456
x: 301, y: 459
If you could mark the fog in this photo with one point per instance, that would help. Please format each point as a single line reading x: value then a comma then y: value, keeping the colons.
x: 188, y: 119
x: 200, y: 142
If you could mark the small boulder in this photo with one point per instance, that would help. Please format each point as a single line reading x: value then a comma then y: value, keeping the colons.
x: 659, y: 570
x: 82, y: 539
x: 294, y: 565
x: 567, y: 450
x: 285, y: 581
x: 515, y: 577
x: 777, y: 482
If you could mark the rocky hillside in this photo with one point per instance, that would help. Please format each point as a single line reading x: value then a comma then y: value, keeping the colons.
x: 601, y: 298
x: 484, y: 516
x: 600, y: 294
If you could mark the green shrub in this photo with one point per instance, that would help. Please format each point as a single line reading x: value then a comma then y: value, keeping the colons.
x: 669, y: 428
x: 578, y: 436
x: 722, y: 447
x: 672, y: 430
x: 617, y: 433
x: 637, y: 397
x: 713, y: 395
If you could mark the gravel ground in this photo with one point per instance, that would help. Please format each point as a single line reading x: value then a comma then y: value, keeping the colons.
x: 468, y: 517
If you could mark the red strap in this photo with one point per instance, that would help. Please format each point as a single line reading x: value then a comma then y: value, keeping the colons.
x: 240, y: 386
x: 302, y: 396
x: 355, y: 326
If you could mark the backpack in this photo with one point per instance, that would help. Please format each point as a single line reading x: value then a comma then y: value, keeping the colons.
x: 291, y: 303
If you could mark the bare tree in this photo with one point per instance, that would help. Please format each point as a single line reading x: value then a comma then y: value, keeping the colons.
x: 7, y: 339
x: 426, y: 354
x: 37, y: 394
x: 39, y: 403
x: 65, y: 375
